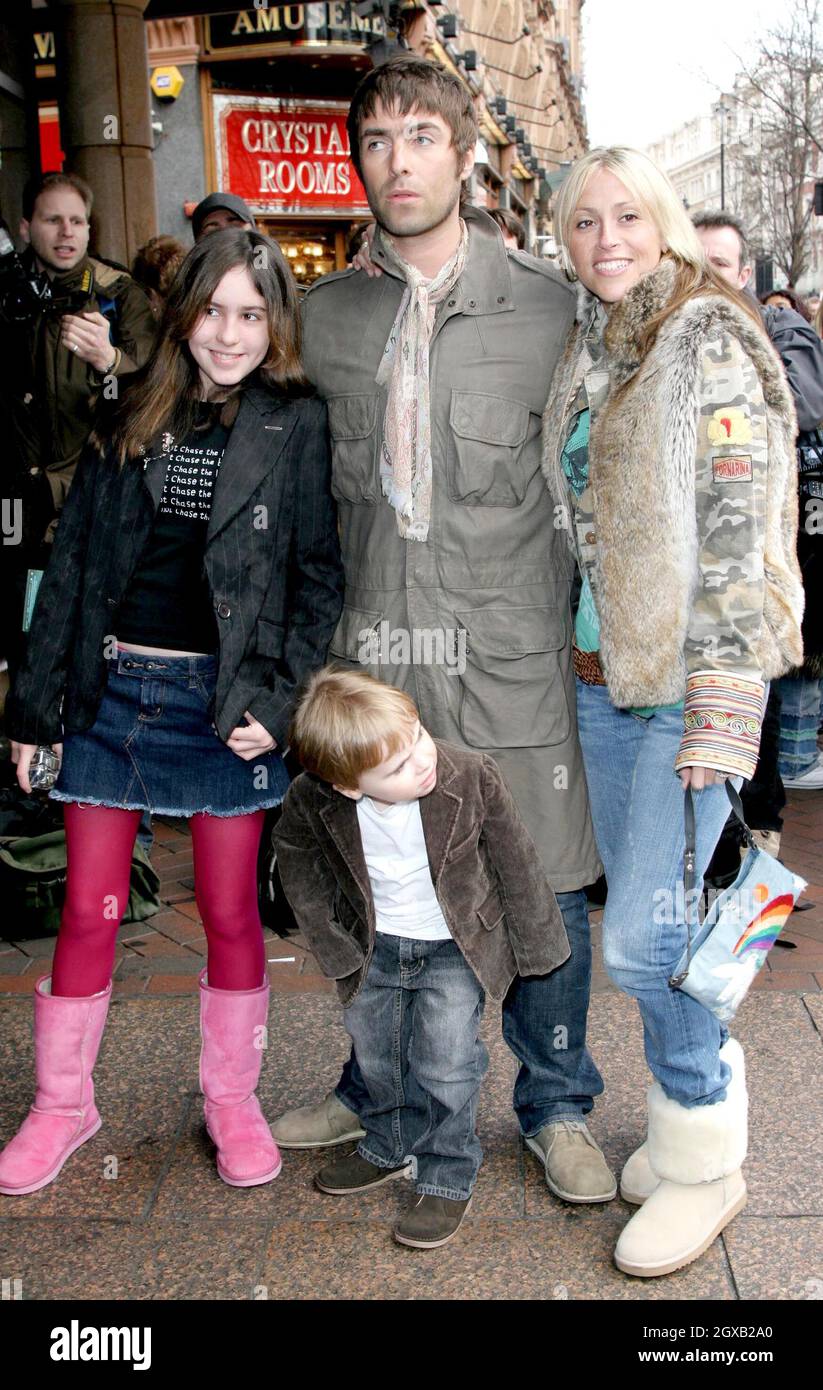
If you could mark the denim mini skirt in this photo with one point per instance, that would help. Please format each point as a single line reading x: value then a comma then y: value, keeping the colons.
x: 154, y: 747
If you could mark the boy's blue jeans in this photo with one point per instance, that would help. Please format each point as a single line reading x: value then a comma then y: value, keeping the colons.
x: 636, y: 803
x: 415, y: 1026
x: 544, y: 1024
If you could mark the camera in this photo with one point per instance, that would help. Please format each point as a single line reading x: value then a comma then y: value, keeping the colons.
x: 24, y: 292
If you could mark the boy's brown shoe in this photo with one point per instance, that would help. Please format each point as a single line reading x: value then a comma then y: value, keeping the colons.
x: 355, y: 1174
x: 432, y: 1221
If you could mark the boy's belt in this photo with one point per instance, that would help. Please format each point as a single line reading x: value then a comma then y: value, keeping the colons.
x: 587, y: 667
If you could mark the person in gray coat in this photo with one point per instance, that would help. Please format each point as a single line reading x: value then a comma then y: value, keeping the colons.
x: 457, y: 573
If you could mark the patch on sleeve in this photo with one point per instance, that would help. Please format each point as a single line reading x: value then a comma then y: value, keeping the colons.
x: 736, y: 468
x: 730, y: 425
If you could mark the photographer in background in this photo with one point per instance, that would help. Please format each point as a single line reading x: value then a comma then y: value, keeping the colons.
x: 70, y: 324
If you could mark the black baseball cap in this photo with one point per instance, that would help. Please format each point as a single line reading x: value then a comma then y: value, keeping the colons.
x: 219, y: 200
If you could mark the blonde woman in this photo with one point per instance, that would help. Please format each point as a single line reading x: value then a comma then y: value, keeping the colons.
x: 669, y: 445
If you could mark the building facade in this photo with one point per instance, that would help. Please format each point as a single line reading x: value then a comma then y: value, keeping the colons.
x: 716, y: 160
x: 253, y: 101
x: 261, y: 108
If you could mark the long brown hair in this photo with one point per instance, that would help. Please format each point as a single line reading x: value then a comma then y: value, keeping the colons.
x: 165, y: 394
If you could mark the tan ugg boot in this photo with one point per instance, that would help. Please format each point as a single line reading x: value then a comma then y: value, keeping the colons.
x: 697, y: 1154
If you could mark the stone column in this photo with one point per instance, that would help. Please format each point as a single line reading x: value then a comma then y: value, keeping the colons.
x: 19, y: 133
x: 106, y: 118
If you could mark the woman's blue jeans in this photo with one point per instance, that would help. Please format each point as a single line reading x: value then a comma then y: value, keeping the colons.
x: 637, y: 810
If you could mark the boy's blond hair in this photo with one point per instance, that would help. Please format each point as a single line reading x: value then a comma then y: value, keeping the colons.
x: 346, y: 722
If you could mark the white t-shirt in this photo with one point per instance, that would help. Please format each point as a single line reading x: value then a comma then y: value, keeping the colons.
x: 405, y: 903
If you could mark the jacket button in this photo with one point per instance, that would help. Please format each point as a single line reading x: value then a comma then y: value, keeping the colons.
x: 112, y: 602
x: 452, y: 303
x: 590, y: 538
x: 472, y: 303
x: 501, y: 299
x: 223, y: 610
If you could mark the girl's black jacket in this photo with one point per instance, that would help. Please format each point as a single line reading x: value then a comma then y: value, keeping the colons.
x: 272, y: 560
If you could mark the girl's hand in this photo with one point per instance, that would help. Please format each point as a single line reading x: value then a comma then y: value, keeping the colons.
x: 22, y: 754
x: 250, y: 740
x: 363, y: 260
x: 699, y: 777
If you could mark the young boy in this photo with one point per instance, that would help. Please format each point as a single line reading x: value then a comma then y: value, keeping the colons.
x: 417, y: 887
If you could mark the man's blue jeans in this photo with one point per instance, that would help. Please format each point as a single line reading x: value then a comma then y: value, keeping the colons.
x: 544, y: 1024
x: 801, y: 709
x: 415, y: 1026
x: 636, y: 803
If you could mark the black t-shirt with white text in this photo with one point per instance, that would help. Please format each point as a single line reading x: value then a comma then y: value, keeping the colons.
x: 168, y: 602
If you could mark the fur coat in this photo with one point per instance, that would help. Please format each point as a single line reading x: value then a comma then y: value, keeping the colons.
x: 693, y: 485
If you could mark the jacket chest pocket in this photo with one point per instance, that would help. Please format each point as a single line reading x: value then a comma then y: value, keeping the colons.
x: 355, y: 448
x: 512, y: 691
x: 488, y: 465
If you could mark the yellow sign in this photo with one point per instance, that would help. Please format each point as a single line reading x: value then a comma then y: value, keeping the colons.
x: 167, y: 83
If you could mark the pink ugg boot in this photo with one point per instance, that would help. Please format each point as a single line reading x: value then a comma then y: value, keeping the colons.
x: 67, y: 1033
x: 232, y: 1027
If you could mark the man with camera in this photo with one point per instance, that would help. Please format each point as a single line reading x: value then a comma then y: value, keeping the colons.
x: 70, y: 326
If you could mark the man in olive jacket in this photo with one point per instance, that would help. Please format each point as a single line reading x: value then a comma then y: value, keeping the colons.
x: 59, y: 352
x: 457, y: 576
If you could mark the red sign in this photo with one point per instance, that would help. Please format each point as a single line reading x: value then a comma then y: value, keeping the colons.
x: 51, y: 155
x: 287, y: 156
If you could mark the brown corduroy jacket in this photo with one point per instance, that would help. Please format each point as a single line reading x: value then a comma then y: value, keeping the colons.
x: 486, y: 871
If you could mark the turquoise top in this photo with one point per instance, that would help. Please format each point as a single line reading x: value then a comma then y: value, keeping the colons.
x: 575, y: 461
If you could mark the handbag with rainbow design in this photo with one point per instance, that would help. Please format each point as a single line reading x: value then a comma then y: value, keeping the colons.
x: 731, y: 944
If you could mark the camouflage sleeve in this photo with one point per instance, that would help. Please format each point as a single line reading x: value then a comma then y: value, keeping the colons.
x: 724, y: 692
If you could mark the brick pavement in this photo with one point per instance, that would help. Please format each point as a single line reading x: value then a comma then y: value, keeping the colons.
x: 163, y: 955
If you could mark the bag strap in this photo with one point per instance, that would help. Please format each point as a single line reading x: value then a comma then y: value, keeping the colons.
x: 689, y: 857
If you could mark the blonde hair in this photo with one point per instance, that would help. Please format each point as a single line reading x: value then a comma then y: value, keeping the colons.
x: 655, y: 193
x: 346, y: 722
x: 818, y: 319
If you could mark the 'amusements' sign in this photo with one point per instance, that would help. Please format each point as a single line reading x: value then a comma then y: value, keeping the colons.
x: 290, y: 24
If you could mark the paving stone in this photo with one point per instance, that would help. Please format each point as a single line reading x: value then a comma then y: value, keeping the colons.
x: 177, y: 896
x: 103, y: 1260
x: 15, y: 963
x: 783, y: 1052
x: 814, y: 1006
x: 174, y: 984
x: 157, y: 965
x: 18, y: 984
x: 784, y: 980
x: 157, y: 948
x: 38, y: 948
x: 776, y: 1259
x: 546, y: 1261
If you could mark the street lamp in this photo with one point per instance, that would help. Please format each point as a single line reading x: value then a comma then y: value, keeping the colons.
x: 722, y: 110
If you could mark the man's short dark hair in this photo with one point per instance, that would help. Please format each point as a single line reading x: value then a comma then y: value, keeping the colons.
x: 43, y: 183
x: 508, y: 222
x: 405, y: 83
x: 719, y: 218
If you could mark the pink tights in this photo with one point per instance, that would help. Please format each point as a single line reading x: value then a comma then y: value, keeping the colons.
x: 100, y: 841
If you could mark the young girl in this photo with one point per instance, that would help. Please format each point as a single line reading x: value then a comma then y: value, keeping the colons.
x: 195, y: 581
x: 669, y: 439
